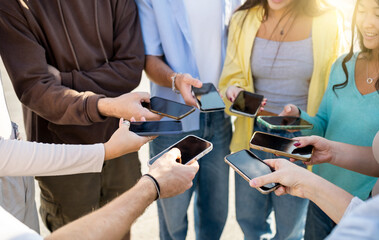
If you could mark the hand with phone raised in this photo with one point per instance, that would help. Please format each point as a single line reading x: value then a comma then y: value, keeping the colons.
x: 292, y: 178
x: 173, y: 178
x: 245, y: 103
x: 184, y: 83
x: 127, y: 106
x: 123, y: 141
x: 322, y: 149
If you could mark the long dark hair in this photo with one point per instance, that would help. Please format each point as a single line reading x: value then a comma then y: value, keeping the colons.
x: 351, y: 52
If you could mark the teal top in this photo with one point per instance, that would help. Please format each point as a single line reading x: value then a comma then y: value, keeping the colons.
x: 350, y: 117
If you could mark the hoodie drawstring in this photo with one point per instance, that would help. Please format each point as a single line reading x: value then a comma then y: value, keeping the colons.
x: 98, y: 33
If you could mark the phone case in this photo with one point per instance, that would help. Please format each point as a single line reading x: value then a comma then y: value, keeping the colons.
x: 246, y: 177
x: 147, y: 105
x: 277, y: 152
x: 200, y: 155
x: 281, y: 127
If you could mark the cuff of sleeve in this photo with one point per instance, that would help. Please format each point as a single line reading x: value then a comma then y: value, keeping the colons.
x: 67, y: 79
x: 354, y: 203
x: 92, y: 110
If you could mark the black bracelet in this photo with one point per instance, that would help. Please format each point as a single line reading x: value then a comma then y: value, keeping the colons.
x: 155, y: 183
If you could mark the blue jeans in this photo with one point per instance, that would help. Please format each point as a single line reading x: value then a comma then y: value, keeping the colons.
x: 318, y: 224
x: 253, y: 208
x: 211, y: 184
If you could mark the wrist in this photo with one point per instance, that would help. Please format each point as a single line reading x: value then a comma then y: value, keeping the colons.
x: 153, y: 188
x: 105, y: 107
x: 174, y: 82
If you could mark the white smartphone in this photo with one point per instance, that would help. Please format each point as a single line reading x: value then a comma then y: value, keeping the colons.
x: 191, y: 147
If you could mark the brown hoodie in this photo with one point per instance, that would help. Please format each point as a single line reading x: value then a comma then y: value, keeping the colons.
x: 97, y: 47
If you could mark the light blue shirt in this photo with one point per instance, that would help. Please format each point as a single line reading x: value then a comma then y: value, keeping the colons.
x: 166, y: 32
x: 361, y: 223
x: 347, y: 117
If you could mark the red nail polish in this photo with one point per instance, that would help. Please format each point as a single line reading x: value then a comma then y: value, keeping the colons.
x: 297, y: 144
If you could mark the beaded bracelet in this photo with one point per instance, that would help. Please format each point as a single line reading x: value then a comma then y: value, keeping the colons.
x: 156, y: 184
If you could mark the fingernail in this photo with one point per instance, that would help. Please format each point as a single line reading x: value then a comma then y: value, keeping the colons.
x: 253, y: 183
x: 297, y: 144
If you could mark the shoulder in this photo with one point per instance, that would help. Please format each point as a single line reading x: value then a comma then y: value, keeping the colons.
x: 247, y: 14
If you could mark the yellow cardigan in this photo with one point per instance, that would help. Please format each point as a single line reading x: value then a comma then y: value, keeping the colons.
x: 327, y: 37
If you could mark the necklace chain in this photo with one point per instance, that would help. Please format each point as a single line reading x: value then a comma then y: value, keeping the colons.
x: 369, y: 80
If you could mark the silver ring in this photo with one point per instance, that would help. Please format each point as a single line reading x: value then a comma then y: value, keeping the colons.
x: 126, y: 122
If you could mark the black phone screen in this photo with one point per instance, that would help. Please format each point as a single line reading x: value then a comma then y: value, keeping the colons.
x: 167, y: 107
x: 280, y: 144
x: 251, y: 166
x: 247, y: 102
x: 143, y: 128
x: 208, y: 97
x: 286, y: 121
x: 189, y: 147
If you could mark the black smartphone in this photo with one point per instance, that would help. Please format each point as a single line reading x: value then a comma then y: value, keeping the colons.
x: 154, y: 128
x: 192, y: 148
x: 168, y: 108
x: 208, y: 98
x: 247, y: 104
x: 284, y: 123
x: 249, y: 166
x: 280, y: 145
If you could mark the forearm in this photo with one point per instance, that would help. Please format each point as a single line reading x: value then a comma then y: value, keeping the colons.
x: 158, y: 71
x: 327, y: 196
x: 355, y: 158
x: 115, y: 219
x: 39, y: 159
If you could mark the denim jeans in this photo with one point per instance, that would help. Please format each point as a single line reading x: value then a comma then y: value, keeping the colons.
x: 253, y: 208
x: 318, y: 225
x: 211, y: 184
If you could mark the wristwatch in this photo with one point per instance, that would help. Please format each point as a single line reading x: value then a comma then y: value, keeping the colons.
x: 173, y: 88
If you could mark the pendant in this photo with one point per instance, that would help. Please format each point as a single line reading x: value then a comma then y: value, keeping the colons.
x: 369, y: 80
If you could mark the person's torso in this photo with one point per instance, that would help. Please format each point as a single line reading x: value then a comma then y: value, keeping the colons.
x: 282, y: 72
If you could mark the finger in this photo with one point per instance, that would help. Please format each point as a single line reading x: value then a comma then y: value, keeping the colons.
x: 173, y: 154
x: 263, y: 180
x: 280, y: 191
x: 194, y: 165
x: 286, y: 110
x: 143, y: 119
x: 120, y: 122
x: 149, y: 115
x: 189, y: 99
x: 144, y: 96
x: 126, y: 124
x: 193, y: 82
x: 304, y: 141
x: 132, y: 119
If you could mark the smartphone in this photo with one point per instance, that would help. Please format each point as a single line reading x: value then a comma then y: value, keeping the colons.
x: 284, y: 123
x: 249, y: 166
x: 154, y: 128
x: 247, y: 104
x: 192, y: 148
x: 168, y: 108
x: 280, y: 146
x: 208, y: 98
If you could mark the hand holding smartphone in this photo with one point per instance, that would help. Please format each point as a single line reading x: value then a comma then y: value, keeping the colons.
x: 284, y: 122
x: 192, y: 148
x: 280, y: 146
x: 249, y: 166
x: 208, y: 98
x: 247, y: 104
x: 168, y: 108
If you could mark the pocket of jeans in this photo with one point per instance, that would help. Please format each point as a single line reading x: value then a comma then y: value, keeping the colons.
x: 50, y: 214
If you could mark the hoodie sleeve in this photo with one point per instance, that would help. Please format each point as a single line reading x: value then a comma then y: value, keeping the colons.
x: 25, y: 60
x: 122, y: 73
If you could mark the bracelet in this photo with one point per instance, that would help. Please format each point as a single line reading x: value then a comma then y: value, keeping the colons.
x: 156, y: 184
x: 173, y: 88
